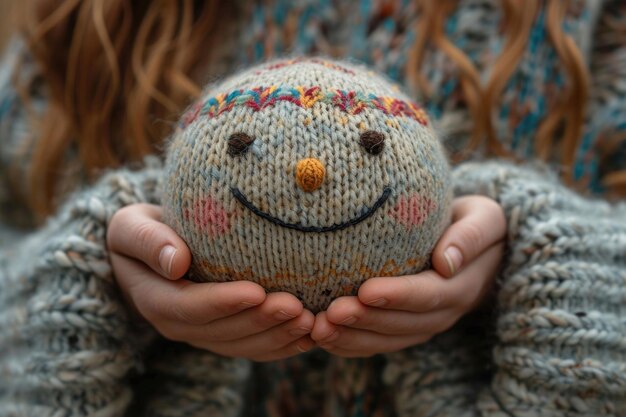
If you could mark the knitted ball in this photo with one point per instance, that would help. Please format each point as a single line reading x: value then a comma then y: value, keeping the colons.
x: 307, y: 176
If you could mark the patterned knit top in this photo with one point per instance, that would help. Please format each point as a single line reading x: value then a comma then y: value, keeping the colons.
x: 381, y: 34
x: 557, y: 346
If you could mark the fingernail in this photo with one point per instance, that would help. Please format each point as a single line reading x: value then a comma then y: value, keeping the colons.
x: 454, y: 258
x: 379, y: 302
x: 350, y: 320
x: 282, y: 315
x: 300, y: 331
x: 166, y: 258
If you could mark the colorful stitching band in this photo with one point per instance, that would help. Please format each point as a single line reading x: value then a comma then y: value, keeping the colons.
x: 260, y: 98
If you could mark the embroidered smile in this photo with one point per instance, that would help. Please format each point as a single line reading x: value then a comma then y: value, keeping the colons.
x: 317, y: 229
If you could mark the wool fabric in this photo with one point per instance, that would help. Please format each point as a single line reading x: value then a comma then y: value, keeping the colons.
x: 553, y: 343
x: 306, y: 175
x: 557, y: 331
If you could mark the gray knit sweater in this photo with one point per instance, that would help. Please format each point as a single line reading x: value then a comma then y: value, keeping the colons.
x: 67, y: 345
x: 559, y: 323
x: 554, y: 345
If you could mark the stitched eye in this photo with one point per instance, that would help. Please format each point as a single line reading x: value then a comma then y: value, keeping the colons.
x: 238, y: 143
x: 373, y: 141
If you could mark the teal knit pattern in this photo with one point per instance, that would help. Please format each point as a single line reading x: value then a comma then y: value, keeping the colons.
x: 381, y: 34
x: 552, y: 344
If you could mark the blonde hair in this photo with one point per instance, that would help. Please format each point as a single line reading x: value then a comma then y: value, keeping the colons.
x: 118, y: 72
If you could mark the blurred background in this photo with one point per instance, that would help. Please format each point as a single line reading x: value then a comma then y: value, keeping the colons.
x: 6, y: 20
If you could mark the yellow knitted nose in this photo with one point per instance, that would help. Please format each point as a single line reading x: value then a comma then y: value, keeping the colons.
x: 309, y: 174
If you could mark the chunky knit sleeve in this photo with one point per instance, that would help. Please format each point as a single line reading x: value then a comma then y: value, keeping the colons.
x: 561, y: 308
x: 67, y: 346
x: 605, y: 134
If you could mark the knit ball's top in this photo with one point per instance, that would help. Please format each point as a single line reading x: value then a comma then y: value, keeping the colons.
x: 308, y: 176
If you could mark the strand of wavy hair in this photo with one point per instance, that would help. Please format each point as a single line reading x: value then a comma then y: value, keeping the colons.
x: 563, y: 123
x: 518, y: 20
x: 569, y: 112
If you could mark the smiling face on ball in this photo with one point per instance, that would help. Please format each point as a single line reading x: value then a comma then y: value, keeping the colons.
x: 307, y: 188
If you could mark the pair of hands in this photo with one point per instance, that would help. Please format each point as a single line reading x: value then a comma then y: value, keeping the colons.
x: 239, y: 319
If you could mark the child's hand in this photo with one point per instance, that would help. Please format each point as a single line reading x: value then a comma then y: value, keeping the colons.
x: 392, y: 313
x: 235, y: 319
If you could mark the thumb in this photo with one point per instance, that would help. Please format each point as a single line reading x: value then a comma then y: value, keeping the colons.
x: 477, y: 223
x: 136, y: 232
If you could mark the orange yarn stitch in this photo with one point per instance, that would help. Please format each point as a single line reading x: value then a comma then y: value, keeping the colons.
x: 310, y: 174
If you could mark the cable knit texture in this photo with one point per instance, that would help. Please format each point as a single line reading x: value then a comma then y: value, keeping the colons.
x: 561, y: 324
x: 552, y: 345
x: 307, y: 176
x: 558, y: 334
x: 67, y: 346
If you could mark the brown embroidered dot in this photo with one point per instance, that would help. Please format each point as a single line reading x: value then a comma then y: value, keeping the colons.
x: 373, y: 141
x: 238, y: 143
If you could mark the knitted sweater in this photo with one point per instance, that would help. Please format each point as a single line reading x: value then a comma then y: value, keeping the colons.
x: 554, y: 343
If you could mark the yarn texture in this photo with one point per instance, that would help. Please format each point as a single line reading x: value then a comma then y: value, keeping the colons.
x: 67, y: 344
x: 551, y: 344
x: 558, y: 332
x: 307, y: 176
x: 310, y: 174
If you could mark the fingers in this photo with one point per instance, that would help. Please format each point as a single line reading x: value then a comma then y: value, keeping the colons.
x: 202, y: 303
x: 277, y: 327
x: 428, y: 291
x: 159, y: 300
x: 301, y: 345
x: 477, y: 279
x: 350, y: 312
x: 292, y: 335
x: 365, y: 343
x: 350, y: 342
x: 392, y: 313
x: 277, y: 308
x: 323, y: 330
x: 136, y: 232
x: 478, y: 223
x: 271, y: 331
x: 130, y: 275
x: 232, y: 318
